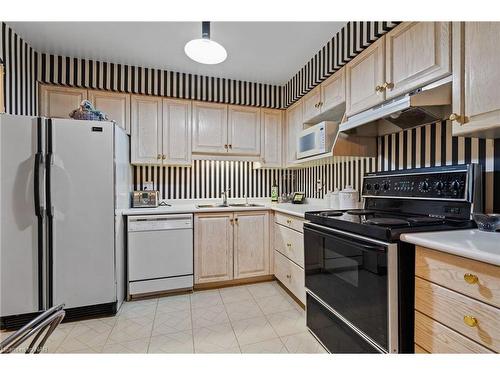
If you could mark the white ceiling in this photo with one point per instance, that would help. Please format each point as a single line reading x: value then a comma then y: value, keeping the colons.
x: 266, y: 52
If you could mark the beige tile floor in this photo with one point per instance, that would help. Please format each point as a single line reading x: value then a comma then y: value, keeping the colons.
x: 255, y: 318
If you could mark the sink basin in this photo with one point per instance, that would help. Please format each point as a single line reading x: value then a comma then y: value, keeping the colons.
x: 245, y: 205
x: 211, y: 205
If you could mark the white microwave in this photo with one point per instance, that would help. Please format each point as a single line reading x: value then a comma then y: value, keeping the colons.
x: 317, y: 139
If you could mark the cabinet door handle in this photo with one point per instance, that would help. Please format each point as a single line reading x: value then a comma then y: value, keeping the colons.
x: 230, y: 146
x: 236, y: 220
x: 289, y: 245
x: 158, y: 156
x: 289, y: 276
x: 164, y: 157
x: 388, y: 86
x: 456, y: 117
x: 379, y: 88
x: 470, y: 278
x: 225, y: 146
x: 231, y: 221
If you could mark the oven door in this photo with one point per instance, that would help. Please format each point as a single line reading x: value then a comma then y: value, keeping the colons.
x: 357, y: 278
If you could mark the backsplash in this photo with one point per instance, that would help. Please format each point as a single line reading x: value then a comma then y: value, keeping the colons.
x: 208, y: 178
x: 20, y: 62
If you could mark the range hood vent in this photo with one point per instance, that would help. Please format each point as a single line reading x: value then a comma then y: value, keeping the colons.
x: 425, y: 105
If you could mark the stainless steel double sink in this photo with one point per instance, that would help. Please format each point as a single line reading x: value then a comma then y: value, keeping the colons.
x: 229, y: 205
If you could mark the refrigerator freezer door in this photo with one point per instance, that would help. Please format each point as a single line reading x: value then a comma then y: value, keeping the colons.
x: 21, y: 232
x: 82, y: 199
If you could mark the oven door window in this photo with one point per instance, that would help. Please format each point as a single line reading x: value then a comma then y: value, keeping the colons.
x: 350, y: 275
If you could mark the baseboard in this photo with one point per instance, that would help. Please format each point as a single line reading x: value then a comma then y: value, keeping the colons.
x: 222, y: 284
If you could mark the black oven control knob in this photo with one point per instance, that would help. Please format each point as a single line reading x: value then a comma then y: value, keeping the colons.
x: 424, y: 187
x: 439, y: 186
x: 368, y: 186
x: 376, y: 186
x: 455, y: 186
x: 386, y: 186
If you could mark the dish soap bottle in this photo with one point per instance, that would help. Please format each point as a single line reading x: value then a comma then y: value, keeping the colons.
x: 274, y: 192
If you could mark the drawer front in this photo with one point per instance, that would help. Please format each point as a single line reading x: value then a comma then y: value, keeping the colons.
x: 290, y: 243
x: 290, y: 275
x: 292, y: 222
x: 433, y: 337
x: 451, y: 309
x: 475, y: 279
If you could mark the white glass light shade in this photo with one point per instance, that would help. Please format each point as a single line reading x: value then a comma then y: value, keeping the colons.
x: 205, y: 51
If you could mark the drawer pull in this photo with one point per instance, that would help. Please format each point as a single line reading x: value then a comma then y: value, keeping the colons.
x: 288, y: 221
x: 470, y: 278
x: 470, y: 321
x: 288, y: 276
x: 289, y: 245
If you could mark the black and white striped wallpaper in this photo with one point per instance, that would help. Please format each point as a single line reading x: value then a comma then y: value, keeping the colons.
x: 433, y: 145
x: 342, y: 48
x: 94, y: 74
x: 20, y: 62
x: 208, y: 178
x: 315, y: 181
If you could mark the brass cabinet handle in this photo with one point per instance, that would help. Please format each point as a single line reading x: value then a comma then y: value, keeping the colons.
x: 230, y: 146
x: 470, y: 321
x: 288, y: 221
x: 289, y: 245
x: 379, y: 88
x: 320, y: 104
x: 470, y: 278
x: 456, y: 117
x: 164, y: 157
x: 288, y: 276
x: 388, y: 86
x: 236, y: 220
x: 225, y: 146
x: 231, y: 221
x: 158, y: 156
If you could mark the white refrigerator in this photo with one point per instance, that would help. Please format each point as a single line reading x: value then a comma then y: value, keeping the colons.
x: 61, y: 185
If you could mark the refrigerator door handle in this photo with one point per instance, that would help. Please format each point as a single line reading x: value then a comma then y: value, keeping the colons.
x: 50, y: 215
x: 36, y: 184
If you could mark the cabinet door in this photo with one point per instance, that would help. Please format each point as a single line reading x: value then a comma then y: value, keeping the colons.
x: 177, y: 131
x: 243, y: 130
x: 145, y: 142
x: 116, y: 105
x: 272, y: 129
x: 58, y: 101
x: 364, y: 79
x: 213, y: 247
x: 210, y: 128
x: 293, y: 125
x: 417, y: 53
x: 333, y: 91
x: 476, y: 97
x: 312, y: 104
x: 251, y: 244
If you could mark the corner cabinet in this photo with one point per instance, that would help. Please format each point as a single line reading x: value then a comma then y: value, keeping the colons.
x: 417, y: 53
x: 294, y: 124
x: 231, y: 245
x: 161, y: 131
x: 476, y: 97
x: 114, y: 104
x: 272, y: 139
x: 59, y: 101
x: 210, y: 128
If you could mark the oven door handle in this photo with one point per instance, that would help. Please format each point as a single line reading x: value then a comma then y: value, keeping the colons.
x: 380, y: 249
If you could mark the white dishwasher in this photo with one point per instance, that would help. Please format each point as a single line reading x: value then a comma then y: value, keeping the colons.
x: 160, y: 253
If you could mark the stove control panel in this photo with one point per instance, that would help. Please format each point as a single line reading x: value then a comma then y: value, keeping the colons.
x: 434, y: 185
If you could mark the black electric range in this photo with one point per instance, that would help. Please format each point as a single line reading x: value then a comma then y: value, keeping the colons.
x: 359, y: 276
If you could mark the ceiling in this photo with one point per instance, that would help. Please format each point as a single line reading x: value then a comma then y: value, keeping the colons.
x: 266, y: 52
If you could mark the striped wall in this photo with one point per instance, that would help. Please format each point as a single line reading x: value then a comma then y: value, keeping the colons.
x: 70, y: 71
x: 208, y: 178
x: 20, y: 62
x: 315, y: 181
x: 433, y: 145
x: 342, y: 48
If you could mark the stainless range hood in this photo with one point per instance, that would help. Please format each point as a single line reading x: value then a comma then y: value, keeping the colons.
x: 422, y: 106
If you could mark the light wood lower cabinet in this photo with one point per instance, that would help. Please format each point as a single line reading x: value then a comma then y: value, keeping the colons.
x: 213, y: 247
x: 456, y: 304
x: 230, y: 246
x: 251, y: 244
x: 290, y: 275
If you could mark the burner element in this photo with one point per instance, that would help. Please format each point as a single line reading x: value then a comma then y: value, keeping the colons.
x: 360, y: 212
x: 331, y: 213
x: 425, y: 220
x: 387, y: 221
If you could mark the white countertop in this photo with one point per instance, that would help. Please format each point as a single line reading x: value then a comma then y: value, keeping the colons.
x: 190, y: 207
x: 470, y: 243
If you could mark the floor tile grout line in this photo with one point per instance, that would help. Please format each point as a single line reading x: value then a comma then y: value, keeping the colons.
x: 152, y: 326
x: 230, y: 322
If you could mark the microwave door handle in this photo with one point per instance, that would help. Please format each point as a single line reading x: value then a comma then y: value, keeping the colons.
x: 349, y: 242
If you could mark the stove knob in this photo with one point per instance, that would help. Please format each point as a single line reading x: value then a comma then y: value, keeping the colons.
x: 424, y: 186
x: 386, y: 186
x: 455, y: 186
x: 368, y: 187
x: 376, y: 187
x: 439, y: 186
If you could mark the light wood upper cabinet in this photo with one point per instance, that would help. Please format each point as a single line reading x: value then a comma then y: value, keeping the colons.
x: 213, y: 251
x: 312, y: 104
x: 364, y: 78
x: 176, y: 138
x: 145, y: 143
x: 59, y: 101
x: 243, y: 130
x: 417, y: 53
x: 476, y: 97
x: 251, y: 244
x: 272, y: 129
x: 294, y: 124
x: 333, y: 91
x: 210, y: 128
x: 114, y: 104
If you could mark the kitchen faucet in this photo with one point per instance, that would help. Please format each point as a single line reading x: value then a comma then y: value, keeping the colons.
x: 224, y: 196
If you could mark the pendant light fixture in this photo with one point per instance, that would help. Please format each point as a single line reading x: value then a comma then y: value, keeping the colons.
x: 205, y: 50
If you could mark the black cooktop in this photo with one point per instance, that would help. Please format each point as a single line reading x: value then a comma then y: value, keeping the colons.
x: 383, y: 225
